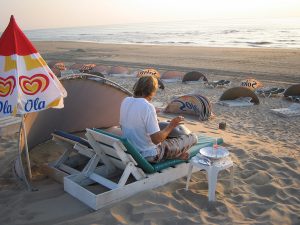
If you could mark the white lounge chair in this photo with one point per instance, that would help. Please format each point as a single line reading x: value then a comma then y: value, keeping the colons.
x: 124, y: 171
x: 76, y: 149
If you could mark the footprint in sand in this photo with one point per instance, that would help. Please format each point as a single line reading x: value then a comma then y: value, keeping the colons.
x: 259, y: 178
x: 270, y: 159
x: 254, y: 210
x: 252, y: 142
x: 266, y: 190
x: 256, y: 165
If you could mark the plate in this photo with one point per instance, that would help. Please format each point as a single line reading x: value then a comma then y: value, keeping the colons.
x: 214, y: 153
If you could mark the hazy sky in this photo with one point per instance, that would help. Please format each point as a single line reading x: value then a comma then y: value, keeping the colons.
x: 34, y: 14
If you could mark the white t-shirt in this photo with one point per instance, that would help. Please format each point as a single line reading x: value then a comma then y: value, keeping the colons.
x: 138, y: 121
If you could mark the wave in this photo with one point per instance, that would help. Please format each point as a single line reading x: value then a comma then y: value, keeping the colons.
x: 165, y: 42
x: 230, y: 31
x: 259, y: 43
x: 189, y: 33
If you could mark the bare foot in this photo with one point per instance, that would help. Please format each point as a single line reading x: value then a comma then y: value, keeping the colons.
x: 184, y: 156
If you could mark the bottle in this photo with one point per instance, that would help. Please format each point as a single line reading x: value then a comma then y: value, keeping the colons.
x: 215, y: 147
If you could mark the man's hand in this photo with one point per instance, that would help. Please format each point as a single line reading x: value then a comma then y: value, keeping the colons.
x: 176, y: 121
x: 160, y: 136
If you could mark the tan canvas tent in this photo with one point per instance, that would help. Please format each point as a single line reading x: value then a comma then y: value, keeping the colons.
x: 238, y: 92
x: 148, y: 72
x: 293, y: 90
x: 85, y: 107
x: 101, y: 69
x: 76, y: 66
x: 172, y: 75
x: 251, y: 83
x: 152, y: 72
x: 119, y: 70
x: 196, y: 105
x: 194, y: 76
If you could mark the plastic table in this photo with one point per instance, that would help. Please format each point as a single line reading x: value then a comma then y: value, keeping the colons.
x: 211, y: 173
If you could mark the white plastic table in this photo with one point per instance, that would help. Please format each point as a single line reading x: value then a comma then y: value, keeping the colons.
x: 212, y: 173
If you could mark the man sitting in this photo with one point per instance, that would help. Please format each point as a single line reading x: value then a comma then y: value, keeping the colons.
x: 139, y: 125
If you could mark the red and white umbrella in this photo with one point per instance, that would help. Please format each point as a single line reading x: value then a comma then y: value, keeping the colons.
x: 27, y: 84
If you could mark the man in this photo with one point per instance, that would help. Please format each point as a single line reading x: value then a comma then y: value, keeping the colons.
x: 139, y: 125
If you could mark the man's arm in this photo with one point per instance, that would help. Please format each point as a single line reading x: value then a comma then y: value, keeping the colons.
x: 160, y: 136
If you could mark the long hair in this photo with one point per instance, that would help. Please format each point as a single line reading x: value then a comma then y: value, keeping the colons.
x: 145, y: 86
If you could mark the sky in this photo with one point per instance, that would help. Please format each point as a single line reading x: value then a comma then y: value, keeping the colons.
x: 40, y: 14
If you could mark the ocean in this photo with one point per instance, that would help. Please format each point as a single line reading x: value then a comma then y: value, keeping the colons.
x: 266, y: 33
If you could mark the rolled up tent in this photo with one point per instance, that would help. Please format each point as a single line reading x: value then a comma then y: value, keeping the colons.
x: 293, y: 90
x: 195, y: 104
x: 194, y: 76
x: 119, y: 70
x: 237, y: 92
x: 101, y: 69
x: 251, y: 83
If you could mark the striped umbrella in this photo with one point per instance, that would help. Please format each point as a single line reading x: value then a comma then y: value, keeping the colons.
x: 27, y: 84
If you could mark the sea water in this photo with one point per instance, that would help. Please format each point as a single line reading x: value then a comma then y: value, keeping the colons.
x: 267, y: 33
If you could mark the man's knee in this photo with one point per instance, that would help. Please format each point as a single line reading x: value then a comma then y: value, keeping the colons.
x: 192, y: 138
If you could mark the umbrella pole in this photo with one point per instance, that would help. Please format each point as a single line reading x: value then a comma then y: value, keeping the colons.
x: 26, y: 149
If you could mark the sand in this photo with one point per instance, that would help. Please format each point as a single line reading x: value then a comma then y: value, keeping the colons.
x: 264, y: 147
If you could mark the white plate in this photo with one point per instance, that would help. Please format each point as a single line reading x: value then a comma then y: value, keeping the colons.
x: 213, y: 153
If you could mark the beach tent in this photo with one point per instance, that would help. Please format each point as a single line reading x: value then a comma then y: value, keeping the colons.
x: 152, y: 72
x: 85, y: 106
x: 195, y: 104
x: 172, y: 75
x: 239, y: 92
x: 56, y: 71
x: 101, y: 69
x: 83, y: 68
x: 293, y: 90
x: 57, y: 67
x: 194, y: 76
x: 119, y: 70
x: 87, y: 68
x: 76, y: 66
x: 251, y: 83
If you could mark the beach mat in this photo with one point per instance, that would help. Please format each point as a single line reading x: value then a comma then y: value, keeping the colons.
x: 291, y: 111
x: 244, y: 101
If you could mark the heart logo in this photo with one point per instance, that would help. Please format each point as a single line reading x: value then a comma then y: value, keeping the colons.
x: 7, y: 86
x: 34, y: 84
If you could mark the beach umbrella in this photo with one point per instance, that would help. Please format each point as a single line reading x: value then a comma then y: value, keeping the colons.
x: 152, y: 72
x: 148, y: 72
x: 26, y: 82
x: 251, y: 83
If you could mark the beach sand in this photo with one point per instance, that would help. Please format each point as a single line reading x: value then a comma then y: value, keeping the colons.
x: 264, y: 147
